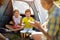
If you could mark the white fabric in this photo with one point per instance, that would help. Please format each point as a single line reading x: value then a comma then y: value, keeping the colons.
x: 17, y: 20
x: 29, y: 30
x: 37, y: 33
x: 42, y: 13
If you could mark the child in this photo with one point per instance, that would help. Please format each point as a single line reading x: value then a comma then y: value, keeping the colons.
x: 26, y: 20
x: 15, y: 25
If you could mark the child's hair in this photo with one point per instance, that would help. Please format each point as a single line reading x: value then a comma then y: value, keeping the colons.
x: 28, y: 10
x: 16, y: 11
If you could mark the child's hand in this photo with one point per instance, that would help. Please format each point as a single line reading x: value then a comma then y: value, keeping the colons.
x: 18, y: 26
x: 23, y: 24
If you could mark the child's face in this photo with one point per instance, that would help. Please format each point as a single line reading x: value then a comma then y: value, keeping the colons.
x: 16, y: 14
x: 28, y: 14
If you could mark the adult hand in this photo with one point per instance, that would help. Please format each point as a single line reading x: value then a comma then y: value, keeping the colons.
x: 36, y: 24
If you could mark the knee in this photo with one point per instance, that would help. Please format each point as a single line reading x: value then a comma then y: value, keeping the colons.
x: 37, y: 37
x: 6, y: 25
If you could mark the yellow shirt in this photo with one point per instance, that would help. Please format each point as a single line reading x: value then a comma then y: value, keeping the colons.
x: 26, y: 22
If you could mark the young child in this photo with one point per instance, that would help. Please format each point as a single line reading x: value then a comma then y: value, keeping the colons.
x: 26, y: 20
x: 15, y: 25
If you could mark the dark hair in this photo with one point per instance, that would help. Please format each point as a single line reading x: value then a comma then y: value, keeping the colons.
x: 16, y: 11
x: 28, y: 10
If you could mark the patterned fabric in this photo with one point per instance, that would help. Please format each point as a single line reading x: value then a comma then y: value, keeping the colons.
x: 54, y: 23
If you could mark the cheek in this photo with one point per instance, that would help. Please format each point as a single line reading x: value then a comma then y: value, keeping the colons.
x: 15, y: 14
x: 28, y: 15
